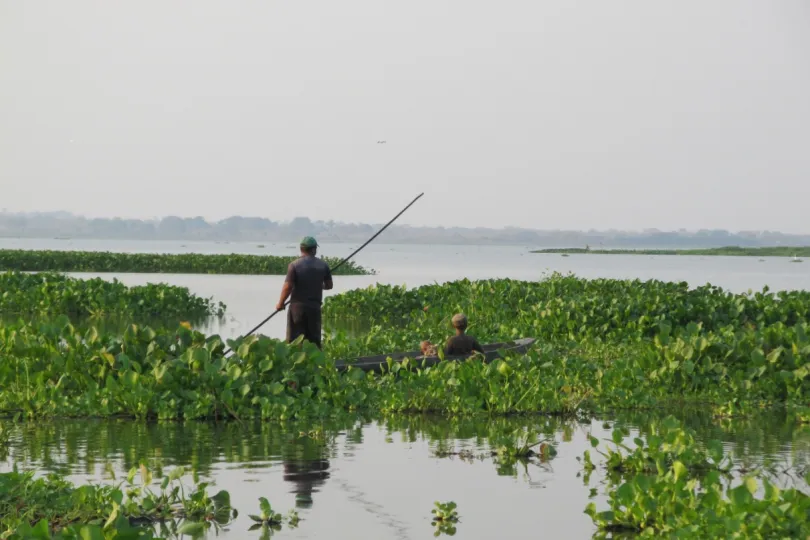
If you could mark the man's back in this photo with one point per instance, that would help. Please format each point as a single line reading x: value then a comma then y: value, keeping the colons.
x: 462, y: 344
x: 307, y: 275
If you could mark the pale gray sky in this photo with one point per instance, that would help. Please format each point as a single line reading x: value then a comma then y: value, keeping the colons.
x: 543, y: 114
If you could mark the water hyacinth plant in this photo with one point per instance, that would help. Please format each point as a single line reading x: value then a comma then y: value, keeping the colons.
x: 626, y: 343
x: 445, y: 517
x: 671, y: 486
x: 155, y: 263
x: 57, y: 294
x: 664, y: 443
x: 269, y: 520
x: 36, y: 506
x: 728, y: 251
x: 677, y: 506
x: 603, y: 345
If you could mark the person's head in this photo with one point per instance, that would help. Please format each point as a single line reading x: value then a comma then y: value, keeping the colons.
x: 460, y: 322
x: 425, y: 346
x: 308, y: 246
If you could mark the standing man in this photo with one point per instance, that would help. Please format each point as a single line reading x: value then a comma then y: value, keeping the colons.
x: 307, y: 278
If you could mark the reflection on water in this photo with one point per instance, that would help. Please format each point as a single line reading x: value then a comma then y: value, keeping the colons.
x: 364, y: 477
x: 306, y: 476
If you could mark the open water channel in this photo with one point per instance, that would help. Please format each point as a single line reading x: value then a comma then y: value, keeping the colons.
x: 373, y: 478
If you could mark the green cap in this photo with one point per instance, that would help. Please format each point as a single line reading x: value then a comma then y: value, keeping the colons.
x: 308, y: 242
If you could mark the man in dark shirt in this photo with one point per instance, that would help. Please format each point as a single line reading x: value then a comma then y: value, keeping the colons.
x: 307, y: 278
x: 461, y: 344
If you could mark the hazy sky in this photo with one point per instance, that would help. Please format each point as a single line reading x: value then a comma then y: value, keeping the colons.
x: 543, y: 114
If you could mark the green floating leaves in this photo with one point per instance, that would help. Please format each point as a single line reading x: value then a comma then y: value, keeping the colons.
x: 164, y: 263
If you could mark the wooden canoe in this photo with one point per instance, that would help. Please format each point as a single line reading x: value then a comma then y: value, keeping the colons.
x: 376, y: 363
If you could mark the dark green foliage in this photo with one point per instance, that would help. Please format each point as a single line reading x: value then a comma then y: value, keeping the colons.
x: 603, y: 345
x: 155, y: 263
x: 728, y: 251
x: 57, y: 294
x: 43, y: 508
x: 669, y: 486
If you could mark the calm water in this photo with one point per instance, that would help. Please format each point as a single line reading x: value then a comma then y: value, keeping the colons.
x: 379, y: 479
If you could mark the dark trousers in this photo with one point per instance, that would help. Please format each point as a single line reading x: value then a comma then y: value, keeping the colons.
x: 304, y: 320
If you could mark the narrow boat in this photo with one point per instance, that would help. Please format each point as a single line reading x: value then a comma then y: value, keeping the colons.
x: 491, y: 352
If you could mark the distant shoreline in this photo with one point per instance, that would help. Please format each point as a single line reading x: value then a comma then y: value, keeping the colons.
x: 728, y: 251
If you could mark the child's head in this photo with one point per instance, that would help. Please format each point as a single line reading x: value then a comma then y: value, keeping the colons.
x: 425, y: 346
x: 460, y: 322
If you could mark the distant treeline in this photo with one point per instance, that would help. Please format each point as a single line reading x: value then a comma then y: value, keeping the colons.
x: 257, y: 229
x: 773, y: 251
x: 151, y: 263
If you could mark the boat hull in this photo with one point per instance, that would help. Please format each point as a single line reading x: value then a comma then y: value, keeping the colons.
x: 376, y: 363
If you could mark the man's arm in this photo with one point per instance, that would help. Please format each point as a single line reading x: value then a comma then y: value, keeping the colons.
x: 477, y: 346
x: 448, y: 348
x: 327, y: 279
x: 286, y: 289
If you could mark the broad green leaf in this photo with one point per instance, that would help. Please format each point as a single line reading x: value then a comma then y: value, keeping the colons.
x: 200, y: 355
x: 715, y: 449
x: 774, y: 355
x: 191, y: 528
x: 625, y: 493
x: 679, y: 469
x: 91, y: 532
x: 264, y: 504
x: 751, y: 485
x: 222, y: 499
x: 740, y: 496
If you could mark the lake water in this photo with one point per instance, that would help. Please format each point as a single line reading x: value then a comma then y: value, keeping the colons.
x: 380, y: 478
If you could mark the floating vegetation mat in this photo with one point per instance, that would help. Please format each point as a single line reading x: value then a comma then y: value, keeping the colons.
x: 155, y: 263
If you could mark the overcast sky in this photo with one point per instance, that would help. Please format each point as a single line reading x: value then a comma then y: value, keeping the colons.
x: 544, y: 114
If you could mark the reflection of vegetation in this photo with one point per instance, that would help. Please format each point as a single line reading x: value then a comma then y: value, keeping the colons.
x: 305, y: 447
x: 61, y: 446
x: 664, y: 443
x: 762, y: 437
x: 5, y: 437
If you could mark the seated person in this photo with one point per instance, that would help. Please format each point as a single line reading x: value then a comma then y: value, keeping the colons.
x: 461, y: 344
x: 428, y: 348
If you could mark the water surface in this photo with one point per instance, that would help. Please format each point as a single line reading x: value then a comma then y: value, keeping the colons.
x: 365, y: 478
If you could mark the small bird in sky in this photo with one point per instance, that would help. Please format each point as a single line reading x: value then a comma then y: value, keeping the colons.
x: 380, y: 142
